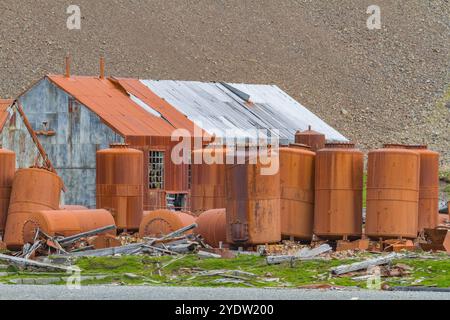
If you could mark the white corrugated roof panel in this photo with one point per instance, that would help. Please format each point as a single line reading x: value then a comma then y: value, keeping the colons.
x: 216, y: 108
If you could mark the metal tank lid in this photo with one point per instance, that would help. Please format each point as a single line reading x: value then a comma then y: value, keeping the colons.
x: 310, y: 131
x: 340, y: 145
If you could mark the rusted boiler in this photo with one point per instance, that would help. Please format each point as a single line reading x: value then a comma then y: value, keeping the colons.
x: 393, y: 193
x: 120, y: 185
x: 212, y: 227
x: 314, y: 139
x: 429, y: 188
x: 7, y: 170
x: 65, y: 223
x: 338, y: 191
x: 297, y: 192
x: 208, y: 181
x: 253, y: 202
x: 33, y: 190
x: 162, y: 222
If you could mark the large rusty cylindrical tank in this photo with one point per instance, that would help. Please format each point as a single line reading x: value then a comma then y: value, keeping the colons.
x: 162, y: 222
x: 314, y: 139
x: 73, y: 207
x: 297, y: 192
x: 7, y: 170
x: 120, y: 185
x: 208, y: 182
x: 253, y: 202
x: 429, y: 188
x: 392, y: 193
x: 65, y: 223
x: 339, y: 189
x: 33, y: 190
x: 212, y: 227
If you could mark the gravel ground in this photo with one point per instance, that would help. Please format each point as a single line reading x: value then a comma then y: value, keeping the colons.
x: 374, y: 86
x: 12, y: 292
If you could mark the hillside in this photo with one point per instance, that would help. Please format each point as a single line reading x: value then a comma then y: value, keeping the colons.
x: 389, y: 85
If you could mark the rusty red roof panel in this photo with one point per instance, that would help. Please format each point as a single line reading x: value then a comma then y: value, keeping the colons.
x: 170, y: 113
x: 4, y: 105
x: 112, y: 103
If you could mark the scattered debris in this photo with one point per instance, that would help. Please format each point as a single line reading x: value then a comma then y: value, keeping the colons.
x: 365, y: 264
x: 436, y: 240
x: 303, y: 254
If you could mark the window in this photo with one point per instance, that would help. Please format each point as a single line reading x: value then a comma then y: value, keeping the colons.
x: 156, y: 170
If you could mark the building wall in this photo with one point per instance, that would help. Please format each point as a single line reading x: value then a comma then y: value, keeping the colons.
x: 72, y: 150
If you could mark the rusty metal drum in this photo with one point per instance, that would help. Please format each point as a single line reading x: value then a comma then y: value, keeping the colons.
x: 7, y: 170
x: 393, y: 193
x: 65, y: 223
x: 429, y: 188
x: 314, y: 139
x: 338, y: 191
x: 208, y: 182
x: 33, y: 190
x: 297, y: 192
x: 212, y: 227
x: 253, y: 203
x: 120, y: 185
x: 161, y: 222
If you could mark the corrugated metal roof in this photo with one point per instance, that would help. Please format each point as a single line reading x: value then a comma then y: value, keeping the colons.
x: 4, y: 114
x: 111, y: 103
x: 216, y: 108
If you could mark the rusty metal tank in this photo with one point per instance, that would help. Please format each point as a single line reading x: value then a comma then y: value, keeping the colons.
x: 297, y: 174
x: 7, y: 170
x: 65, y: 223
x: 429, y: 187
x: 338, y: 191
x: 212, y: 226
x: 314, y: 139
x: 253, y: 203
x: 33, y: 190
x: 120, y: 184
x: 392, y: 193
x: 161, y: 222
x: 208, y: 182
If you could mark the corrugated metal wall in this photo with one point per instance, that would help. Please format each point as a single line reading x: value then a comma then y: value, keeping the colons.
x: 79, y: 134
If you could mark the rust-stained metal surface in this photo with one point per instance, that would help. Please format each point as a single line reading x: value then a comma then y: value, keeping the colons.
x: 161, y: 222
x: 33, y: 190
x: 208, y: 188
x: 212, y: 227
x: 392, y: 193
x: 108, y: 99
x: 314, y: 139
x: 297, y: 174
x: 436, y: 240
x: 65, y: 223
x: 338, y: 191
x: 7, y: 171
x: 5, y: 104
x: 253, y: 205
x: 429, y: 187
x: 120, y: 185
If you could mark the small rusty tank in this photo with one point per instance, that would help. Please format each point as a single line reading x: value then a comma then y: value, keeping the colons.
x: 338, y: 191
x: 7, y: 170
x: 65, y: 223
x: 208, y: 181
x: 392, y: 193
x: 162, y: 222
x: 33, y: 190
x: 212, y: 227
x: 253, y: 200
x: 314, y: 139
x: 429, y: 187
x: 297, y: 192
x: 120, y: 185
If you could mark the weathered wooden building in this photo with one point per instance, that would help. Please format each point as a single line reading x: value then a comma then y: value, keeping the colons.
x: 75, y: 116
